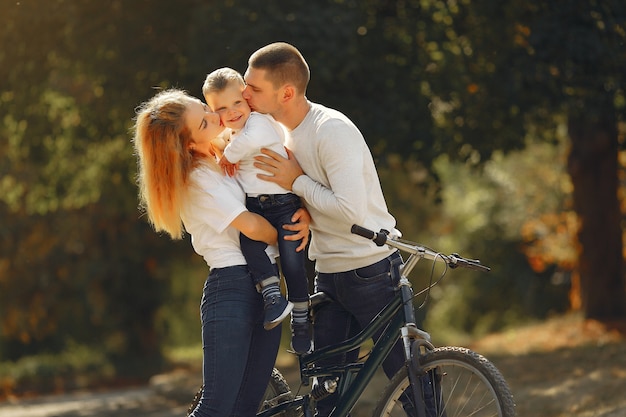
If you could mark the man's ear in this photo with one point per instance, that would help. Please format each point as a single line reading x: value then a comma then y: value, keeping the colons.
x: 289, y: 92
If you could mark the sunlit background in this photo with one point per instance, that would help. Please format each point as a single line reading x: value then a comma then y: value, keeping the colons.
x: 497, y: 129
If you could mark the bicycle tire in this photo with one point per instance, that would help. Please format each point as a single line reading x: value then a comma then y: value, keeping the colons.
x: 277, y: 392
x: 467, y: 384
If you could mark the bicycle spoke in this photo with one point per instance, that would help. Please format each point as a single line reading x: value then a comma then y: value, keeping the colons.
x: 464, y: 384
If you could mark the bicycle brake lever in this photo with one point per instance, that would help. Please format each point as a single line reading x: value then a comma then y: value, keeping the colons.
x: 458, y: 260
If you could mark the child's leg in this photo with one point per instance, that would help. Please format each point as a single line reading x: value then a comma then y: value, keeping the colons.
x: 293, y: 263
x: 259, y: 263
x: 278, y: 210
x: 294, y: 270
x: 293, y: 266
x: 265, y: 276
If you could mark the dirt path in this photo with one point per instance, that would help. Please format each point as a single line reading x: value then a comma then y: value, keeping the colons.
x: 564, y: 368
x: 129, y: 402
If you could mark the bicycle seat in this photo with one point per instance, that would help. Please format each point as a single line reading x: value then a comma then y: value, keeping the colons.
x: 317, y: 300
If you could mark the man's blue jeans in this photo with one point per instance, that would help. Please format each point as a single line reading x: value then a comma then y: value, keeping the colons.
x: 358, y: 296
x: 278, y: 210
x: 239, y: 354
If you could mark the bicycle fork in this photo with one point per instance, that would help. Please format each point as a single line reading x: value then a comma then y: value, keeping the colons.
x: 413, y: 340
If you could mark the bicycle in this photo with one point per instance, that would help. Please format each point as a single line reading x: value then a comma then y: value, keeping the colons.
x: 435, y: 381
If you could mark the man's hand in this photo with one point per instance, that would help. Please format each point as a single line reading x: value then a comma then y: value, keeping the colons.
x: 282, y: 171
x: 229, y: 168
x: 301, y: 219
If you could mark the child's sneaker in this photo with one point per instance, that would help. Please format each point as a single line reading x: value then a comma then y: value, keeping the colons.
x: 276, y: 309
x: 300, y: 337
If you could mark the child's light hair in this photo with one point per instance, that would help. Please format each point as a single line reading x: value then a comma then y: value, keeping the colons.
x: 219, y: 79
x: 162, y: 145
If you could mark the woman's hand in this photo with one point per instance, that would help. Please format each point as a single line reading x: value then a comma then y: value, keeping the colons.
x: 301, y: 219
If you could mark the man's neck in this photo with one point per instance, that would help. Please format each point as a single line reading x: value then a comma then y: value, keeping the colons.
x: 293, y: 116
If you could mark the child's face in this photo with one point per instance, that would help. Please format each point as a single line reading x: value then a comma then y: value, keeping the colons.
x: 230, y: 105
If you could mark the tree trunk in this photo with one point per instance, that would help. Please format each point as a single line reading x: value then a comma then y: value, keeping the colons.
x: 593, y: 167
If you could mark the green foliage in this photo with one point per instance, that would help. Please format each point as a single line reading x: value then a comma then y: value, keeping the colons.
x: 480, y: 212
x: 484, y: 214
x: 178, y: 319
x: 75, y: 260
x: 77, y: 367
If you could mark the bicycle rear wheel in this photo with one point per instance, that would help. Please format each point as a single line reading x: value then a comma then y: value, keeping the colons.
x: 277, y: 392
x: 464, y: 383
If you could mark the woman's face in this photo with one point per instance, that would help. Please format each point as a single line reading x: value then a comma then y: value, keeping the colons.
x: 204, y: 126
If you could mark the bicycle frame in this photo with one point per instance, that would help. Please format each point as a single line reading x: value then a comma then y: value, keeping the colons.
x: 353, y: 378
x: 396, y: 320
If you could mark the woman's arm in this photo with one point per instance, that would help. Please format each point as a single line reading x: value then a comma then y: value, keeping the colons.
x: 255, y: 227
x: 258, y: 228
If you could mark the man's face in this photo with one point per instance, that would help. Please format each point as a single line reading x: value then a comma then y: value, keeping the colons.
x: 260, y: 93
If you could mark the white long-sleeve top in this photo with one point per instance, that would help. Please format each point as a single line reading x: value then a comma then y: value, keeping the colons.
x: 260, y: 131
x: 341, y: 188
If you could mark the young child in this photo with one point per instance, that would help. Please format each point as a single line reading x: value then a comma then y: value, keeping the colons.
x: 252, y: 131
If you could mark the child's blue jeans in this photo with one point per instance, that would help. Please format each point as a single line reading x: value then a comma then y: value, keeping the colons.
x: 278, y: 210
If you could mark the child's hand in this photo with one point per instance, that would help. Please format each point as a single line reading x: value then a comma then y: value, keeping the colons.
x: 229, y: 168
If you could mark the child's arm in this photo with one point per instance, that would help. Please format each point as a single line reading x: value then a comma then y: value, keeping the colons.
x: 228, y: 167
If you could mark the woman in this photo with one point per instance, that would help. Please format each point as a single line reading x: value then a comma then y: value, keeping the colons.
x: 182, y: 189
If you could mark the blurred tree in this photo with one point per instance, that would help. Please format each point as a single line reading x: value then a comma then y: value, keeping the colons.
x: 75, y: 262
x: 578, y: 52
x: 494, y: 70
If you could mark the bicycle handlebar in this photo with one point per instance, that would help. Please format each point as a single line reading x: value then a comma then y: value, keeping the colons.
x: 453, y: 261
x: 379, y: 238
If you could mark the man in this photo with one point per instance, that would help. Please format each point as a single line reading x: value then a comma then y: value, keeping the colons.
x: 340, y: 188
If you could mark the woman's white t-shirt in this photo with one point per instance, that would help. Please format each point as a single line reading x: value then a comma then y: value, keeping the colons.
x: 213, y: 202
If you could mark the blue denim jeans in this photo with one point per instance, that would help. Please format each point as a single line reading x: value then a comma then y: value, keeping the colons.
x: 358, y: 296
x: 239, y: 353
x: 278, y: 210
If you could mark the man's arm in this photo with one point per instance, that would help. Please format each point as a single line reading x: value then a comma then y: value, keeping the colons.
x: 345, y: 197
x: 301, y: 220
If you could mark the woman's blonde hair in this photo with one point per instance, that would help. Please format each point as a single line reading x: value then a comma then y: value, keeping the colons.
x: 164, y: 158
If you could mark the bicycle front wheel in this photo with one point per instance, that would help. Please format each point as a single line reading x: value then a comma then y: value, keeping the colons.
x: 457, y: 383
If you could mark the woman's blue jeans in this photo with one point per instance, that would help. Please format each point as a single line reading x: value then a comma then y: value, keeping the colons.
x: 278, y: 210
x: 358, y: 295
x: 239, y: 354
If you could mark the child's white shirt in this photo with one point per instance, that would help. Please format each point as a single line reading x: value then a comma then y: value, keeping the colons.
x: 260, y: 131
